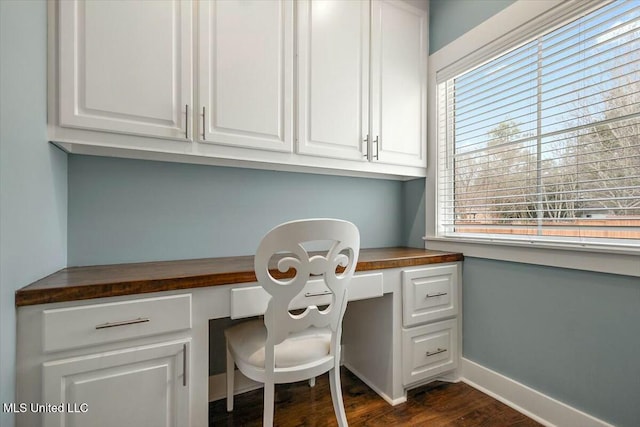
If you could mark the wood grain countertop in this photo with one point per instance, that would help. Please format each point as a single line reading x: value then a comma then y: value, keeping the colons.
x: 80, y: 283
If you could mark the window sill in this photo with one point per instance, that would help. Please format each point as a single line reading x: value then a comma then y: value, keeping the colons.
x: 604, y: 260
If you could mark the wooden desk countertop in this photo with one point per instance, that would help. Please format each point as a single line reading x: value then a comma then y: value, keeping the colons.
x: 80, y: 283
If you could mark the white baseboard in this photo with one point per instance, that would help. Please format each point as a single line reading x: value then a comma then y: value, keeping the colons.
x: 218, y: 385
x: 389, y: 400
x: 524, y: 399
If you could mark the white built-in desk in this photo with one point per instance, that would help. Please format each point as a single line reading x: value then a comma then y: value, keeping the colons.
x: 131, y: 341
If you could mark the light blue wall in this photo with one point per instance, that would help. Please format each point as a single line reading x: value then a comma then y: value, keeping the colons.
x: 449, y: 19
x: 33, y: 175
x: 131, y: 210
x: 570, y: 334
x: 413, y: 222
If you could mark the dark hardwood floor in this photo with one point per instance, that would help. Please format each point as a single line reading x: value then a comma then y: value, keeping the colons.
x: 436, y: 404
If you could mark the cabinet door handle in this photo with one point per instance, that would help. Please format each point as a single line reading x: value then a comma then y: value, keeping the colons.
x: 184, y: 365
x: 377, y: 141
x: 439, y: 294
x: 438, y: 351
x: 186, y: 121
x: 317, y: 294
x: 122, y: 323
x: 366, y: 145
x: 204, y: 123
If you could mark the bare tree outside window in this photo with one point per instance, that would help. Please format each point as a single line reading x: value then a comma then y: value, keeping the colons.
x: 546, y: 138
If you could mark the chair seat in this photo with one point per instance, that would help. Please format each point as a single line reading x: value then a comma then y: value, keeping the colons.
x: 247, y: 341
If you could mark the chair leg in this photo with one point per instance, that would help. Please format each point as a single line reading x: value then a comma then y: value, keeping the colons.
x: 312, y: 382
x: 269, y: 394
x: 336, y: 396
x: 230, y: 384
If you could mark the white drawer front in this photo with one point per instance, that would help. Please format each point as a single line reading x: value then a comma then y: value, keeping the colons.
x: 429, y: 350
x: 253, y: 300
x: 102, y: 323
x: 429, y: 294
x: 365, y: 286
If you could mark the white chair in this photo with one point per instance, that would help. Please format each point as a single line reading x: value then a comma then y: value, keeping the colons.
x: 288, y: 347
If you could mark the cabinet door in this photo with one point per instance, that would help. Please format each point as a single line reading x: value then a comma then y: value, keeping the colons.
x: 125, y: 66
x: 246, y: 73
x: 399, y: 86
x: 333, y: 78
x: 140, y: 386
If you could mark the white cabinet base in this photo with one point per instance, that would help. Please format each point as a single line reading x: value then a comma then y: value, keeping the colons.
x: 372, y: 349
x: 140, y: 386
x: 391, y: 358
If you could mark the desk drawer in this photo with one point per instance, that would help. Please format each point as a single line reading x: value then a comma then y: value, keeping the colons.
x: 429, y: 294
x: 429, y: 350
x: 253, y: 300
x: 87, y: 325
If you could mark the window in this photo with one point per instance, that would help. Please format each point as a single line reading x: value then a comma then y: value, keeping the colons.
x: 542, y: 143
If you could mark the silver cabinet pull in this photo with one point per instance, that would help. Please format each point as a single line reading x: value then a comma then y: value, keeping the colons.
x: 366, y: 144
x: 204, y: 123
x: 317, y: 294
x: 438, y: 351
x: 184, y: 365
x: 439, y: 294
x: 186, y: 121
x: 122, y: 323
x: 377, y: 141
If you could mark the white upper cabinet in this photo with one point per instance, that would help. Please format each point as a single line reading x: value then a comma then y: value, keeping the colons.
x: 126, y: 66
x: 333, y: 78
x: 246, y: 73
x: 399, y: 83
x: 243, y: 82
x: 348, y: 50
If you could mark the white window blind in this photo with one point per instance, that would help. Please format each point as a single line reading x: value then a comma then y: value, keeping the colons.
x: 543, y: 142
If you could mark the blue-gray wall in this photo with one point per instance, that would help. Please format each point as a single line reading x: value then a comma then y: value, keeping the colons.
x: 449, y: 19
x: 33, y: 175
x: 132, y: 210
x: 413, y: 211
x: 573, y: 335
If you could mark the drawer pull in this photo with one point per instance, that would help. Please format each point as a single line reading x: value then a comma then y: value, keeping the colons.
x: 438, y: 351
x: 122, y: 323
x: 439, y: 294
x: 317, y: 294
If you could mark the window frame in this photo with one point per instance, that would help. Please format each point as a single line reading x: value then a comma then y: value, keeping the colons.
x: 507, y: 29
